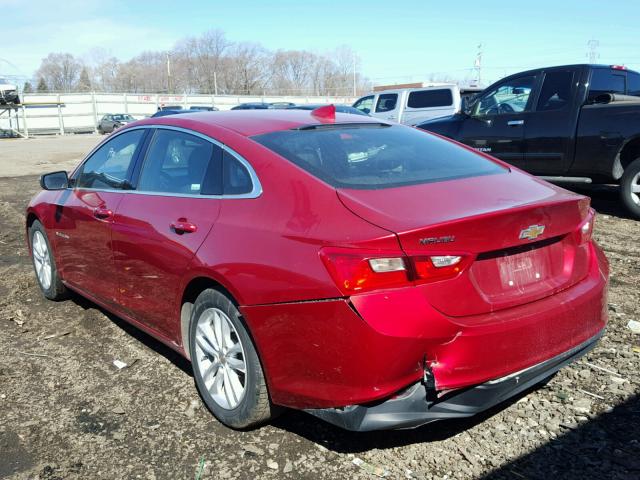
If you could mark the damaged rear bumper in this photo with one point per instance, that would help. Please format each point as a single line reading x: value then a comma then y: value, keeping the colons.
x: 417, y: 406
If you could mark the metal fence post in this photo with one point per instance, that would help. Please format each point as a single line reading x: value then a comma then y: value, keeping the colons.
x: 95, y: 112
x: 24, y: 121
x: 60, y: 120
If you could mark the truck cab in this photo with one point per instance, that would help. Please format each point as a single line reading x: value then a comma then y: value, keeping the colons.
x: 553, y: 122
x: 411, y: 104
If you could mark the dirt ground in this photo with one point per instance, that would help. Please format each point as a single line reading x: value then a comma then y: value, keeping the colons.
x: 67, y: 412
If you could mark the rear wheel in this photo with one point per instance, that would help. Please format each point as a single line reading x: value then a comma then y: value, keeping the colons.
x: 226, y: 367
x: 44, y: 264
x: 630, y: 187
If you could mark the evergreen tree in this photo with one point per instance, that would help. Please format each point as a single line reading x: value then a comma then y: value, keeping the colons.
x: 27, y: 88
x: 42, y: 86
x: 84, y: 84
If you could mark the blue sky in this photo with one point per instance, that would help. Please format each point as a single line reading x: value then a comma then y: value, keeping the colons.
x: 396, y: 41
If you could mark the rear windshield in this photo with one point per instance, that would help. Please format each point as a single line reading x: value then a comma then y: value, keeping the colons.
x: 372, y: 156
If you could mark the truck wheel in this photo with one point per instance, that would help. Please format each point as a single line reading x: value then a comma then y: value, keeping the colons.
x: 630, y: 187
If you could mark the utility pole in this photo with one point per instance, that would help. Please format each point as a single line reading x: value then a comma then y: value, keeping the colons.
x: 215, y: 84
x: 168, y: 72
x: 355, y: 94
x: 592, y: 53
x: 477, y: 65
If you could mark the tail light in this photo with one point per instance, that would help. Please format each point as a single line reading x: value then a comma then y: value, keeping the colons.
x: 585, y: 230
x: 357, y: 271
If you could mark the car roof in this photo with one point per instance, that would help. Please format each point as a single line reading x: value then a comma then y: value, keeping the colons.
x: 255, y: 122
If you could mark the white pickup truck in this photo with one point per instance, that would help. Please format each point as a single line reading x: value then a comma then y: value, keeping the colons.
x: 8, y: 93
x: 414, y: 103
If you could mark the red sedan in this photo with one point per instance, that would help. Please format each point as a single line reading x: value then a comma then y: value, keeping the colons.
x: 374, y: 275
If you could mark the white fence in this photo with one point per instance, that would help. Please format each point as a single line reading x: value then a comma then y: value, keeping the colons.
x: 81, y: 112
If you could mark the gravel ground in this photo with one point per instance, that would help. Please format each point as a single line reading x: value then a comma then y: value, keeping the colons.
x: 67, y: 412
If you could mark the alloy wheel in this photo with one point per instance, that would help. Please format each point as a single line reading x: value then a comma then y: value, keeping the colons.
x: 220, y: 358
x: 41, y: 259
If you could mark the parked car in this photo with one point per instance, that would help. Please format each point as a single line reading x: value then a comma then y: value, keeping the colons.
x: 262, y: 105
x: 111, y: 122
x: 372, y: 274
x: 8, y: 93
x: 204, y: 108
x: 415, y: 104
x: 574, y: 123
x: 164, y: 113
x: 339, y: 108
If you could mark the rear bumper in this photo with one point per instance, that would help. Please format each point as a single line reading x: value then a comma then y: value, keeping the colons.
x: 338, y: 352
x: 414, y: 408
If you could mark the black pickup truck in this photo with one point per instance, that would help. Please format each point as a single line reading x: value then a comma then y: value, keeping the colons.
x: 574, y: 123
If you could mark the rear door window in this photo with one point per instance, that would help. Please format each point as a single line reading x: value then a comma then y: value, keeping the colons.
x: 430, y: 98
x: 180, y: 163
x: 236, y: 177
x: 374, y: 156
x: 633, y: 84
x: 108, y: 167
x: 604, y: 80
x: 386, y: 102
x: 556, y: 90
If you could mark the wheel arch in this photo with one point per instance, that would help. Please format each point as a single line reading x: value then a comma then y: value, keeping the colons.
x: 190, y: 292
x: 627, y: 154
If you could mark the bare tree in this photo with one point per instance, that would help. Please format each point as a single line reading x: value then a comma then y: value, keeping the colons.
x: 246, y: 69
x: 292, y: 71
x: 200, y: 59
x: 208, y: 63
x: 60, y: 71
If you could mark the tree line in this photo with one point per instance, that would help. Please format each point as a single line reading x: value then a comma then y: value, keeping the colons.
x: 206, y: 64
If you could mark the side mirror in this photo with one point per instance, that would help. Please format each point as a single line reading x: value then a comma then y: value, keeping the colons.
x: 54, y: 181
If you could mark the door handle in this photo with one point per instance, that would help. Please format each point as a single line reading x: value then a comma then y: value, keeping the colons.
x: 183, y: 226
x: 102, y: 213
x: 515, y: 123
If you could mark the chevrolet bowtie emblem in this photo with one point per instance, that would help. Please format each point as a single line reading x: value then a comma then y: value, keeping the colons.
x: 532, y: 232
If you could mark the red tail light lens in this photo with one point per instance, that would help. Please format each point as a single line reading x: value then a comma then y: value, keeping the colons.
x: 438, y: 267
x: 357, y: 271
x: 585, y: 230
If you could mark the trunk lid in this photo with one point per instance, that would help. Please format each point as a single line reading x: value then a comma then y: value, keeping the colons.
x: 519, y: 231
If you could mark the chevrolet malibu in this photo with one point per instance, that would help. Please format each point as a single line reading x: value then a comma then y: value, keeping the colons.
x: 374, y: 275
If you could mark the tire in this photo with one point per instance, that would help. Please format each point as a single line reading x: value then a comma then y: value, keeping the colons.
x: 238, y: 400
x: 630, y: 187
x: 44, y: 264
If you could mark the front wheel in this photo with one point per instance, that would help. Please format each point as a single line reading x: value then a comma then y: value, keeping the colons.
x: 44, y: 264
x: 630, y: 187
x: 226, y: 367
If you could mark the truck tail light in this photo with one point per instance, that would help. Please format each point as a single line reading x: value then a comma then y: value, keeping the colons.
x: 357, y: 271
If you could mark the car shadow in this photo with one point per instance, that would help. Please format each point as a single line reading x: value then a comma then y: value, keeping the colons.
x: 343, y: 441
x: 144, y: 338
x: 607, y: 446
